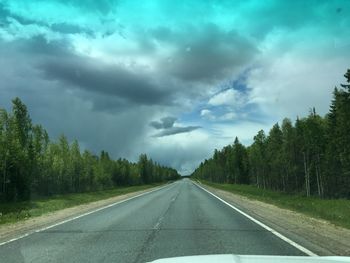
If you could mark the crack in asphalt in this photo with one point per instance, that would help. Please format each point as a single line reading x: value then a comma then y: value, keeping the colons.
x: 155, y: 230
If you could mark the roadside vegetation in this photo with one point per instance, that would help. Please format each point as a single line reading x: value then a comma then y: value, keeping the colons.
x: 336, y: 211
x: 308, y: 158
x: 33, y: 166
x: 17, y: 211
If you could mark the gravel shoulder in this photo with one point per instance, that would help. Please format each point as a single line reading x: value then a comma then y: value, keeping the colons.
x: 10, y: 231
x: 319, y: 236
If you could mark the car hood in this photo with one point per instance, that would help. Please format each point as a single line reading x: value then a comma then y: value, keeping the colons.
x: 249, y: 259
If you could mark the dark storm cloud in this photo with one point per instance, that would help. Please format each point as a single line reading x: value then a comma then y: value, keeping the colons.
x: 57, y: 61
x: 176, y: 130
x: 92, y: 118
x: 111, y: 87
x: 39, y: 48
x: 164, y: 123
x: 112, y: 80
x: 156, y: 124
x: 31, y: 51
x: 168, y: 122
x: 167, y: 126
x: 207, y: 53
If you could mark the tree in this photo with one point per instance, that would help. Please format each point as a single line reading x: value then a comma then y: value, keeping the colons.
x: 338, y: 142
x: 75, y: 166
x: 311, y: 156
x: 31, y: 163
x: 289, y: 156
x: 40, y: 141
x: 258, y: 160
x: 274, y: 153
x: 20, y: 175
x: 143, y: 169
x: 4, y: 152
x: 240, y: 160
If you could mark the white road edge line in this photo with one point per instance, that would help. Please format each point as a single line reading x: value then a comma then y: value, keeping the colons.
x: 79, y: 216
x: 284, y: 238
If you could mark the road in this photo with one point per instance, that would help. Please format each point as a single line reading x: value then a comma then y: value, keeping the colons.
x: 177, y: 220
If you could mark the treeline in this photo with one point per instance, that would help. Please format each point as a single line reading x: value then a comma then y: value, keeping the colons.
x: 31, y: 164
x: 311, y: 156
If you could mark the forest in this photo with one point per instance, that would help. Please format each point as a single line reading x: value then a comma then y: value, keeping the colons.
x: 33, y: 165
x: 310, y: 156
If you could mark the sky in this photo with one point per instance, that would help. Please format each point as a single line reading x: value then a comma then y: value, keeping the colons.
x: 172, y: 79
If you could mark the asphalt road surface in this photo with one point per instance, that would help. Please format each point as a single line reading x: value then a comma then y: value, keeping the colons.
x: 178, y: 220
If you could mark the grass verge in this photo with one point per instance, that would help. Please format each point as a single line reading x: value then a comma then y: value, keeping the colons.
x: 14, y: 212
x: 336, y: 211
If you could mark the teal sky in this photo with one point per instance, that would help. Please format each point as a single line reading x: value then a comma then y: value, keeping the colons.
x: 174, y: 79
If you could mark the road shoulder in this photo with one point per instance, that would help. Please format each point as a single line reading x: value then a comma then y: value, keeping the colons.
x: 319, y: 236
x: 15, y: 230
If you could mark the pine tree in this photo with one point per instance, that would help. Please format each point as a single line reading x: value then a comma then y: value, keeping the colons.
x: 20, y: 175
x: 143, y: 161
x: 274, y: 153
x: 240, y: 159
x: 289, y: 156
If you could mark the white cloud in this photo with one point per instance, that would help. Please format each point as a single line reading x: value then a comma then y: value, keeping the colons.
x: 207, y: 114
x: 291, y: 85
x: 227, y: 97
x: 294, y: 76
x: 245, y: 131
x: 183, y: 151
x: 228, y: 116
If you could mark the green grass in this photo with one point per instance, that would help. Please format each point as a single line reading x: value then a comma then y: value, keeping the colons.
x: 336, y: 211
x: 14, y: 212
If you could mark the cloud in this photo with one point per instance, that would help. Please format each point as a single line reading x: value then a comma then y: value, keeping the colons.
x: 207, y: 114
x: 176, y: 130
x: 291, y: 86
x: 227, y: 105
x: 168, y: 128
x: 7, y: 18
x: 244, y: 130
x: 164, y: 123
x: 183, y: 151
x: 66, y: 28
x: 56, y: 61
x: 52, y: 11
x: 288, y: 82
x: 116, y: 80
x: 228, y: 116
x: 211, y: 116
x: 226, y: 97
x: 207, y: 53
x: 38, y: 48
